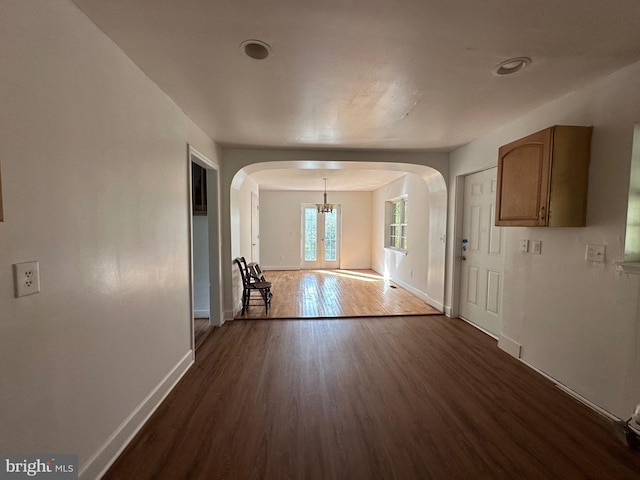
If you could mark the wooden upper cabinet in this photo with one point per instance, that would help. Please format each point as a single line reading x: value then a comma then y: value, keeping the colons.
x: 543, y: 179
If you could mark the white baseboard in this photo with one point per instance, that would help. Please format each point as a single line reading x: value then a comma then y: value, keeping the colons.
x: 100, y: 462
x: 599, y: 410
x: 510, y: 346
x: 279, y: 267
x: 228, y: 315
x: 201, y: 314
x: 420, y: 294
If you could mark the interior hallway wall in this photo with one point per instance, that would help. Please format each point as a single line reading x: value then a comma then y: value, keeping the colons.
x: 95, y: 188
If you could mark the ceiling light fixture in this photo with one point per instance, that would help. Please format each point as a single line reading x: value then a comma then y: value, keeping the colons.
x: 256, y: 49
x: 511, y: 66
x: 325, y: 207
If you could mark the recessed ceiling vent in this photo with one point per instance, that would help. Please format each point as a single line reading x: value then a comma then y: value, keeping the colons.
x: 256, y: 49
x: 511, y: 66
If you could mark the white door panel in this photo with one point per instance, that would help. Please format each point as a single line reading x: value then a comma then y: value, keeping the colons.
x: 481, y: 253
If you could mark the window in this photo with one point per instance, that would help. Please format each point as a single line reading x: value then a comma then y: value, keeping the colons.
x: 396, y: 214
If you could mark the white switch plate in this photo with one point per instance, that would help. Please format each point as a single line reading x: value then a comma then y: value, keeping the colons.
x: 536, y: 247
x: 524, y: 246
x: 26, y: 278
x: 595, y: 253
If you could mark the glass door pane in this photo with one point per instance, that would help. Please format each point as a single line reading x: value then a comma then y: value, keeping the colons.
x: 310, y: 234
x: 330, y: 236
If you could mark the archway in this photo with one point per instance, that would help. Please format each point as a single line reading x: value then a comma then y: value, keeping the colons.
x: 253, y: 161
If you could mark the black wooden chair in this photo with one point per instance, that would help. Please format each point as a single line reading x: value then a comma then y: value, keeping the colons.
x: 251, y: 286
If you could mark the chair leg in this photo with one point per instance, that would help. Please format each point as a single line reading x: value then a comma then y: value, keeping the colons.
x: 266, y: 297
x: 244, y: 302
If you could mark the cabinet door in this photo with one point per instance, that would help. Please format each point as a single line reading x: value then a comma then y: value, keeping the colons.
x: 523, y: 181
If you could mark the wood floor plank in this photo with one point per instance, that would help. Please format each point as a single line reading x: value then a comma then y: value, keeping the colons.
x: 336, y: 293
x: 419, y: 397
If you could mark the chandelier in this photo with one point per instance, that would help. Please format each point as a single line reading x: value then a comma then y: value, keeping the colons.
x: 325, y: 207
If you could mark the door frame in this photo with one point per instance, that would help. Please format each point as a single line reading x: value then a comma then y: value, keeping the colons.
x: 255, y: 227
x: 215, y: 240
x: 338, y: 235
x: 457, y: 239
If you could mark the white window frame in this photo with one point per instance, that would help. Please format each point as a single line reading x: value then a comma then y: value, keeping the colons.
x: 395, y: 234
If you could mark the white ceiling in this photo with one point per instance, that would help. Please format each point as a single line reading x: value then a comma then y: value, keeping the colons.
x: 372, y: 74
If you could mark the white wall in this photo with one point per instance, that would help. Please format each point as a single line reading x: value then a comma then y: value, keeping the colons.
x: 281, y: 224
x: 95, y: 187
x: 576, y: 321
x: 244, y: 196
x: 410, y: 269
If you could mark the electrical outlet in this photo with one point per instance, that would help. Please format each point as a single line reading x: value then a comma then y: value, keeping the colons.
x: 595, y: 253
x: 27, y: 278
x: 524, y: 246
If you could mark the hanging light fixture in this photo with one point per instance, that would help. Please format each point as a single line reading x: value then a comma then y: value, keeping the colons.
x: 325, y: 207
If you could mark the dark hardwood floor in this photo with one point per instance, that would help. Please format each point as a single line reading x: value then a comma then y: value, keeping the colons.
x: 201, y: 330
x: 419, y: 397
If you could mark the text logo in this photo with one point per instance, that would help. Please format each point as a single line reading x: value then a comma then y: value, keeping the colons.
x: 49, y: 467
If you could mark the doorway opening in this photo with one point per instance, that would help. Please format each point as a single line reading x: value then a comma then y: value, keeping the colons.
x: 206, y: 300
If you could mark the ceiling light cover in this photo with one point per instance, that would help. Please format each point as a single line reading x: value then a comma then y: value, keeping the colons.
x: 256, y: 49
x: 511, y: 66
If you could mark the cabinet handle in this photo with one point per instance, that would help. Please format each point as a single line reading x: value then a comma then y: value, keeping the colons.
x: 542, y: 213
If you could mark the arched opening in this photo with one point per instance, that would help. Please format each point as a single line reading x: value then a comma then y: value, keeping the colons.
x: 421, y: 271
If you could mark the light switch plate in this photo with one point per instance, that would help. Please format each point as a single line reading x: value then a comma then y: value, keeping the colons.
x: 536, y: 247
x: 524, y: 246
x: 26, y: 278
x: 595, y: 253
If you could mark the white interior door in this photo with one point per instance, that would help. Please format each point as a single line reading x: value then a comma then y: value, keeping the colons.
x: 320, y: 238
x: 481, y: 253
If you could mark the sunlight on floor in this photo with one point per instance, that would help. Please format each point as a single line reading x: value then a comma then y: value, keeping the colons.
x: 365, y: 277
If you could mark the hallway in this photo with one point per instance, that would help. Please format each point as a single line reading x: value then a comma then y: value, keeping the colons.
x: 368, y: 398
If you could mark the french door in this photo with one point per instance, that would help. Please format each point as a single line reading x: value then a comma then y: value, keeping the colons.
x: 320, y: 238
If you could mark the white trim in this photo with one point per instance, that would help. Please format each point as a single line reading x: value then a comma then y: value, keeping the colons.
x: 599, y: 410
x: 100, y: 462
x: 574, y: 394
x: 215, y: 254
x: 201, y: 314
x: 510, y: 346
x: 414, y: 291
x: 632, y: 268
